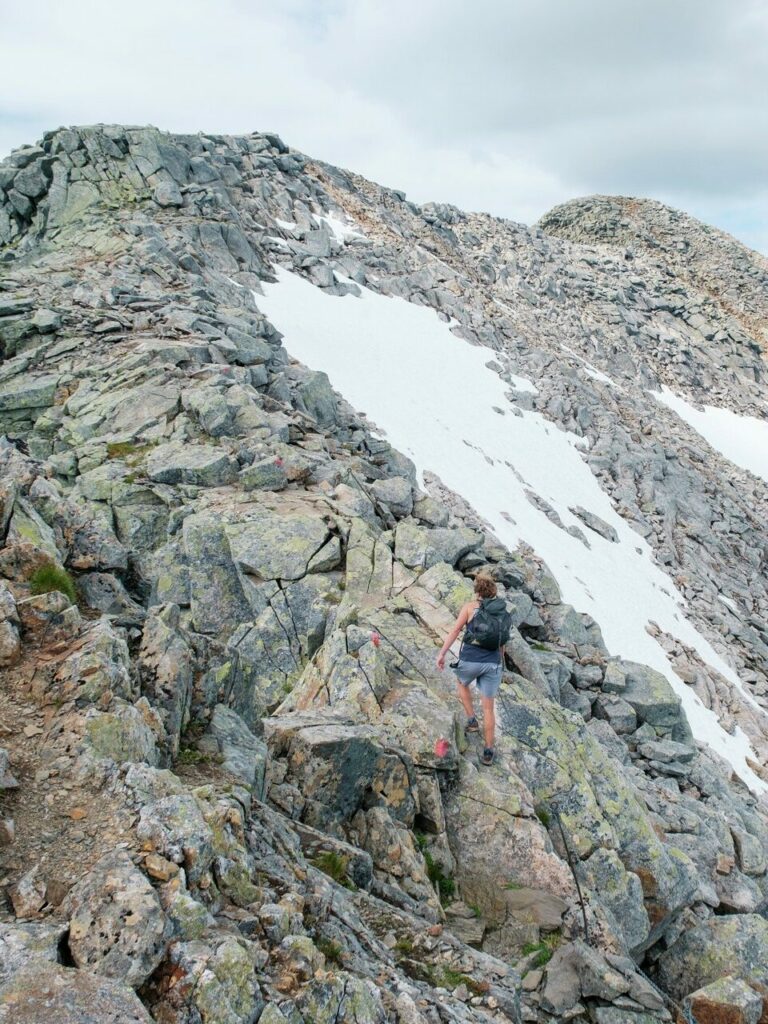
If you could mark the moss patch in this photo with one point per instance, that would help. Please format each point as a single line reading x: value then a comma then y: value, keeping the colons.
x: 335, y: 866
x: 49, y: 578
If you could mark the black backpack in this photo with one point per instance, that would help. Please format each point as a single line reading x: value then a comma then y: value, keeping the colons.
x: 490, y: 625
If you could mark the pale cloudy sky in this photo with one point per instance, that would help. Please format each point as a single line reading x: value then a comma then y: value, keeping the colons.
x: 509, y: 106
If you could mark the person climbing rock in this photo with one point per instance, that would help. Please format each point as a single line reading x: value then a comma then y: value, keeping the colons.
x: 486, y: 623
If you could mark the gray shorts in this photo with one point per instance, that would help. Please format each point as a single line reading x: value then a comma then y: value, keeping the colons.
x: 487, y: 675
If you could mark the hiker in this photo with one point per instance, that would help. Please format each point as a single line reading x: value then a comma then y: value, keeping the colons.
x: 486, y: 622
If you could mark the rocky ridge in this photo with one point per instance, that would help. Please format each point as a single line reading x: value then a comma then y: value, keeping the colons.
x: 221, y: 795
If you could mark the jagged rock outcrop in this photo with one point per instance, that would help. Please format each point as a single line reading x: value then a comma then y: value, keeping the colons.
x: 229, y: 795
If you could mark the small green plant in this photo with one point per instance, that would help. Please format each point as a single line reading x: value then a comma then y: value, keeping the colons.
x: 331, y: 950
x: 49, y: 577
x: 404, y: 945
x: 513, y: 886
x: 544, y: 816
x: 452, y: 979
x: 539, y: 647
x: 130, y: 452
x: 475, y: 909
x: 446, y: 887
x: 189, y: 755
x: 543, y: 949
x: 335, y: 866
x: 421, y: 840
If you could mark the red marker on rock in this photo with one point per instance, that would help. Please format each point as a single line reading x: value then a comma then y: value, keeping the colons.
x: 442, y: 746
x: 375, y: 639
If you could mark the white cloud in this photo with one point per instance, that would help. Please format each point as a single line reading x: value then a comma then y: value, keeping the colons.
x: 504, y: 105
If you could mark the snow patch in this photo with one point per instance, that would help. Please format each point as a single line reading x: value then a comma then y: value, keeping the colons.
x: 523, y: 384
x: 434, y: 396
x: 743, y: 440
x: 340, y: 229
x: 590, y: 370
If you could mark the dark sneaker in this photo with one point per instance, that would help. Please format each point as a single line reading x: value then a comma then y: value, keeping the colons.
x: 472, y: 725
x: 487, y: 757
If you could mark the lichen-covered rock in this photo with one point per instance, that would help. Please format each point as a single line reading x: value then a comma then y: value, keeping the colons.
x: 60, y: 995
x: 396, y: 493
x: 652, y: 698
x: 727, y: 999
x: 10, y: 642
x: 167, y: 670
x: 267, y: 474
x: 342, y: 999
x: 421, y: 548
x: 28, y: 894
x: 200, y: 465
x: 242, y: 754
x: 728, y: 945
x: 100, y: 665
x: 596, y: 803
x: 22, y: 944
x: 619, y: 892
x: 175, y: 828
x: 212, y: 981
x: 129, y: 732
x: 341, y: 767
x: 274, y: 546
x: 117, y: 927
x: 218, y: 602
x: 496, y: 840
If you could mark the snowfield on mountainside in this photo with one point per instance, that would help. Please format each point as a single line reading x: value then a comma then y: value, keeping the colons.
x: 743, y: 440
x: 435, y: 398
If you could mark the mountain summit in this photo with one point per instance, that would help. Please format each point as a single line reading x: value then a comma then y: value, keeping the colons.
x: 262, y: 422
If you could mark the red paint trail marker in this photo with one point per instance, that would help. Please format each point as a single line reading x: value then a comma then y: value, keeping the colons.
x: 442, y: 746
x: 375, y: 639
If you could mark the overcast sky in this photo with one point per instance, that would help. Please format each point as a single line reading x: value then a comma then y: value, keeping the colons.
x: 509, y: 106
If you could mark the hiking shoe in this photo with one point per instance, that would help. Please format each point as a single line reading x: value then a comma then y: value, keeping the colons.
x: 487, y: 757
x: 472, y: 725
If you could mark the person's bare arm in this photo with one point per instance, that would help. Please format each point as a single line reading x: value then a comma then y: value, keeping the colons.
x: 458, y: 625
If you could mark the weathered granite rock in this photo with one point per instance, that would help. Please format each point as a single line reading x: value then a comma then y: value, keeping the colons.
x: 728, y: 999
x: 117, y: 927
x: 243, y: 755
x: 175, y: 828
x: 28, y: 894
x: 286, y: 547
x: 60, y: 995
x: 23, y: 944
x: 734, y: 945
x: 419, y: 547
x: 200, y: 465
x: 212, y: 980
x: 396, y: 493
x: 10, y: 642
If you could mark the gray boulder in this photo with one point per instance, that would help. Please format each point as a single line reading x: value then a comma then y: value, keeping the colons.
x: 175, y: 828
x: 420, y: 548
x: 22, y: 944
x: 201, y: 465
x: 728, y: 999
x: 243, y: 755
x: 117, y: 927
x: 60, y: 995
x: 395, y: 492
x: 654, y: 700
x: 167, y: 194
x: 727, y: 945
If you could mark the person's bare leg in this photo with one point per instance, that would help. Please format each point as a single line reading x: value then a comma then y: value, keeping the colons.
x: 462, y: 692
x: 489, y: 721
